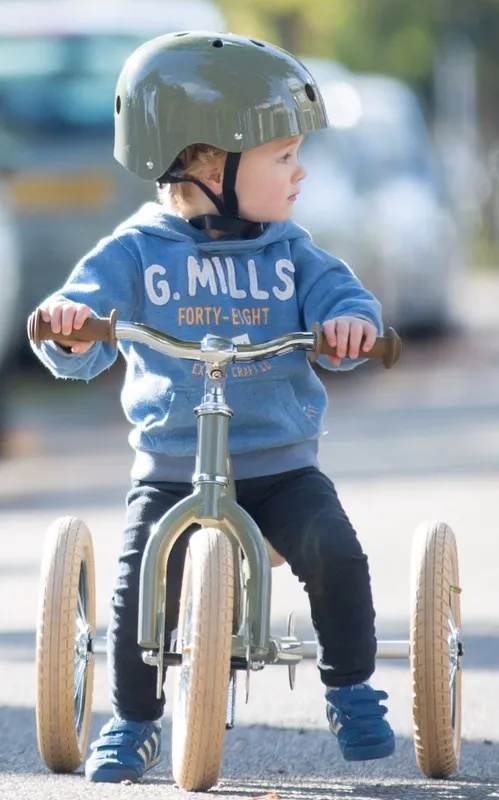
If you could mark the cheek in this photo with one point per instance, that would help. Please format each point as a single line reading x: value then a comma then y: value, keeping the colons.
x: 260, y: 189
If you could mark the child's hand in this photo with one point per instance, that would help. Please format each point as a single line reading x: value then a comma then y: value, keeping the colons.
x: 347, y: 334
x: 65, y: 317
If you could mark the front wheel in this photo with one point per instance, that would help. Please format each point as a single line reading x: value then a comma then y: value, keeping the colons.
x: 64, y: 661
x: 204, y: 639
x: 436, y: 650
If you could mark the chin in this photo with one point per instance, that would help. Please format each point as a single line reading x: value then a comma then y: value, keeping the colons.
x: 282, y: 217
x: 276, y: 216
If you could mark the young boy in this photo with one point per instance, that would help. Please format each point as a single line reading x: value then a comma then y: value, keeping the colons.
x: 217, y: 121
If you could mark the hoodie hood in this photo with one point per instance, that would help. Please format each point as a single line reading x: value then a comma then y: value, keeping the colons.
x: 153, y: 219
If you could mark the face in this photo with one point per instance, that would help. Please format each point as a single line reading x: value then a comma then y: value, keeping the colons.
x: 268, y: 180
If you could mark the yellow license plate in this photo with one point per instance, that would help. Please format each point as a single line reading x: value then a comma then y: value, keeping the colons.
x: 44, y: 192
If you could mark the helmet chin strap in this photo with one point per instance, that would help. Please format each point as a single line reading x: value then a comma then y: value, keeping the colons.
x: 227, y: 221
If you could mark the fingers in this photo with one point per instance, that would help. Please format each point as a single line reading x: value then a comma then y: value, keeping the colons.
x: 370, y: 335
x: 54, y: 313
x: 44, y: 312
x: 69, y: 318
x: 329, y: 329
x: 350, y: 336
x: 80, y: 347
x: 66, y: 317
x: 82, y: 313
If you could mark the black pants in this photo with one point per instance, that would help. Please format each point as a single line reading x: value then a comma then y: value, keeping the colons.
x: 301, y: 516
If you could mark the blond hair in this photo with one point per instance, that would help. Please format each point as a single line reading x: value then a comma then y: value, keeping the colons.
x: 194, y: 160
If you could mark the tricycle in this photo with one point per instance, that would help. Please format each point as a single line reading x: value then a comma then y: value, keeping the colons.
x: 224, y: 620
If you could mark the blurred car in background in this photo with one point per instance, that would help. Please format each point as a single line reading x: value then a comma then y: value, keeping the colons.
x: 59, y: 63
x: 12, y: 322
x: 325, y: 71
x: 374, y: 198
x: 328, y: 205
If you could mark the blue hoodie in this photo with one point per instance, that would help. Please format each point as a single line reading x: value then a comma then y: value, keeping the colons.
x: 159, y: 270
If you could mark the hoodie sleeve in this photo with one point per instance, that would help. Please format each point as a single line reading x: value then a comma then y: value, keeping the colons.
x: 106, y: 278
x: 326, y: 288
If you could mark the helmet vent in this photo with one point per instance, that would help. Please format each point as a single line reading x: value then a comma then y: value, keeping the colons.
x: 260, y: 44
x: 118, y: 104
x: 184, y: 33
x: 310, y: 92
x: 217, y: 43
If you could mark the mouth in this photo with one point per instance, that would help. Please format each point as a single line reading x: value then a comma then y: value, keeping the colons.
x: 293, y: 197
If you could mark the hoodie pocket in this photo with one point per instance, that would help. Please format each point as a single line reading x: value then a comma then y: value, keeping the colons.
x: 267, y: 414
x: 171, y: 427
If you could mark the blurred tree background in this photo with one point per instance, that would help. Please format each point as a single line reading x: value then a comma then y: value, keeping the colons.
x: 447, y: 50
x: 398, y: 38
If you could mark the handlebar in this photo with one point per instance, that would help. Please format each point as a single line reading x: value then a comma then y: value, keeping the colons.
x: 212, y: 348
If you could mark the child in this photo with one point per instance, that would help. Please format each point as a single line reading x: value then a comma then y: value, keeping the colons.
x: 217, y: 121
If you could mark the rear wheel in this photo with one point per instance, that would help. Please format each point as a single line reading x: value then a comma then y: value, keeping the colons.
x: 436, y: 650
x: 64, y: 661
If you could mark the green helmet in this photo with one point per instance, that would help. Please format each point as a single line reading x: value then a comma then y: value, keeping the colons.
x: 219, y: 89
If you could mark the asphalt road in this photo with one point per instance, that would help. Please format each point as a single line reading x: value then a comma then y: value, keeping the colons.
x: 418, y: 442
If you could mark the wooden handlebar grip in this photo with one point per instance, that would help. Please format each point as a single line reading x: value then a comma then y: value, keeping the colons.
x: 94, y: 329
x: 386, y: 347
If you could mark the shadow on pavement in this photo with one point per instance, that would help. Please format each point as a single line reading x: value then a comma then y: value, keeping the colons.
x: 260, y: 760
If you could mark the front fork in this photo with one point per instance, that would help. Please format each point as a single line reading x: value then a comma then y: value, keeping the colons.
x: 211, y: 504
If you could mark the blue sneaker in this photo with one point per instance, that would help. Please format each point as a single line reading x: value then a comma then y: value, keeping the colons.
x: 356, y: 719
x: 124, y: 751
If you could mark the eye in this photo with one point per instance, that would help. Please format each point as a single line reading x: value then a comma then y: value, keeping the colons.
x: 285, y: 158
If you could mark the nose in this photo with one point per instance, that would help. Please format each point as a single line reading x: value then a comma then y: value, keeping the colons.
x: 300, y: 173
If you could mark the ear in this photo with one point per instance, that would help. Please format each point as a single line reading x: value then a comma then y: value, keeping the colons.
x: 213, y: 176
